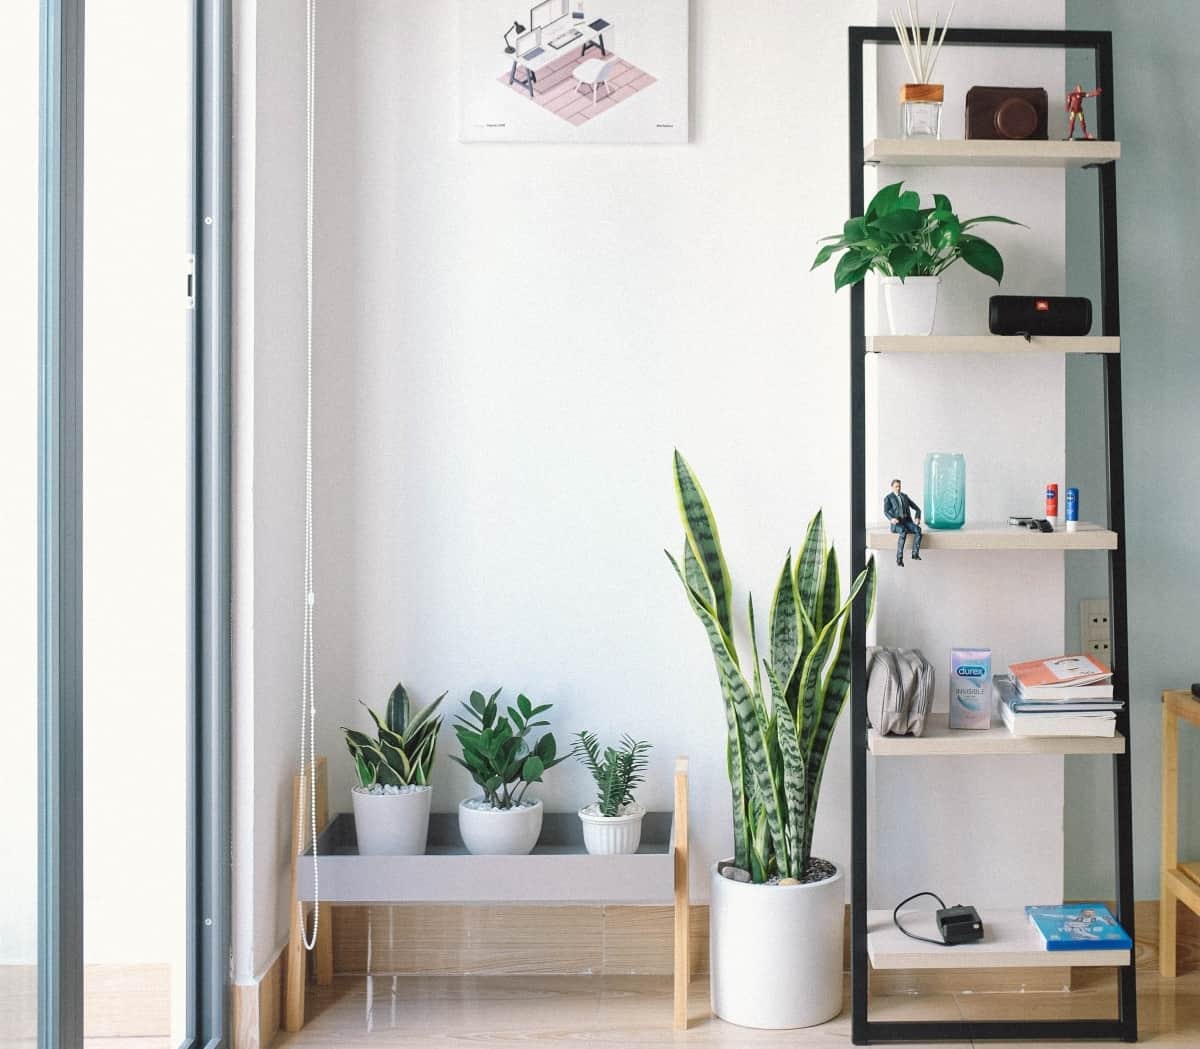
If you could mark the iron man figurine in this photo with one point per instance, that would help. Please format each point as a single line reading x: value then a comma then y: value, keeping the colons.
x: 1075, y: 109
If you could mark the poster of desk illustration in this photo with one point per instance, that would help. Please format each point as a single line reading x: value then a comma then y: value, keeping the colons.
x: 573, y: 70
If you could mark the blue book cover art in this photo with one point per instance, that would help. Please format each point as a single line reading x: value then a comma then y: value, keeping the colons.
x: 1078, y: 927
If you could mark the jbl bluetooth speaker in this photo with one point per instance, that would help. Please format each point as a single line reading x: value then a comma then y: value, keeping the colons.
x: 1039, y: 315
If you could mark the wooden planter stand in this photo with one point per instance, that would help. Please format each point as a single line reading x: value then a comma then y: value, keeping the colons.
x: 1180, y: 881
x: 559, y: 870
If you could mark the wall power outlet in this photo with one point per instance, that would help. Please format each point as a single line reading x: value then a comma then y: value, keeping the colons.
x: 1095, y: 631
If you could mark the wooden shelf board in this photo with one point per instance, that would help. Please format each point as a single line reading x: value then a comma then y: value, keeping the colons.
x: 910, y: 152
x: 940, y: 740
x: 558, y: 870
x: 1000, y: 537
x: 1009, y: 940
x: 991, y: 344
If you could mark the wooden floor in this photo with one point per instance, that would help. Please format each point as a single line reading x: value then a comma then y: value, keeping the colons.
x: 634, y: 1012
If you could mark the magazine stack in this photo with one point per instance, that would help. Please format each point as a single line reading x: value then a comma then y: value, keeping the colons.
x: 1063, y: 696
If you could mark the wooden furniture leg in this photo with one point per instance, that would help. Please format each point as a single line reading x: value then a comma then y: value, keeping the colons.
x: 682, y: 897
x: 1168, y: 906
x: 297, y: 955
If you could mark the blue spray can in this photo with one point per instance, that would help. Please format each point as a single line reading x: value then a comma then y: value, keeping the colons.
x: 1072, y: 509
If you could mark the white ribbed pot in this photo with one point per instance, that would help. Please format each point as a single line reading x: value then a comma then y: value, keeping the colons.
x: 911, y: 304
x: 392, y: 824
x: 776, y: 951
x: 612, y: 835
x: 499, y: 832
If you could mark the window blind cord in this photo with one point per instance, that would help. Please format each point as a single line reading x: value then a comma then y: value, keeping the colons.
x: 308, y: 685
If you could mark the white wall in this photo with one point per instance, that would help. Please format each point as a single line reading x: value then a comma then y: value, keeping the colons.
x: 496, y: 408
x: 268, y: 465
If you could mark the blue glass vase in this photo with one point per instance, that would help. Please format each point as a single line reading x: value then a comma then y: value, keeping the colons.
x: 945, y: 490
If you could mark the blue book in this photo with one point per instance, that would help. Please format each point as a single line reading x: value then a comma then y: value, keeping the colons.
x: 1079, y: 927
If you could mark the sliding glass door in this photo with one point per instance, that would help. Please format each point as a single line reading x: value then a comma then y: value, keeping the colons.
x: 136, y: 192
x: 114, y: 555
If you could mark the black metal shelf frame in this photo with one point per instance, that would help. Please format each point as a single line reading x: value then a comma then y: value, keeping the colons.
x: 1124, y: 1026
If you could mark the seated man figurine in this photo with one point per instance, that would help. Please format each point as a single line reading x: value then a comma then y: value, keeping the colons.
x: 900, y: 510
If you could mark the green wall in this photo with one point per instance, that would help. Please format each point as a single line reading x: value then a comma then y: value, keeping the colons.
x: 1156, y: 58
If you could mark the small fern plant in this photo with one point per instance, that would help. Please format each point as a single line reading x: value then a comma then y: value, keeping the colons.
x: 618, y: 771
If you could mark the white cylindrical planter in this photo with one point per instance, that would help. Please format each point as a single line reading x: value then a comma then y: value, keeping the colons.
x: 612, y: 835
x: 499, y: 832
x: 392, y: 824
x: 776, y: 952
x: 911, y: 304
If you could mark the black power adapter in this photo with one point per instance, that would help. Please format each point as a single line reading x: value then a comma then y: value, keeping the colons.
x: 956, y: 924
x: 959, y: 925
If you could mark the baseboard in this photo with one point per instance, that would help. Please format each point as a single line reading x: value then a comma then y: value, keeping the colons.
x: 257, y: 1008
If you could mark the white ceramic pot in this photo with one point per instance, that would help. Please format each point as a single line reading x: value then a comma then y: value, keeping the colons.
x: 776, y: 951
x: 612, y: 835
x: 392, y: 824
x: 500, y: 832
x: 911, y: 304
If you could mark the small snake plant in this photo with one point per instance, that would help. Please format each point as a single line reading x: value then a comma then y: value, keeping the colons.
x: 617, y: 772
x: 776, y: 751
x: 402, y: 755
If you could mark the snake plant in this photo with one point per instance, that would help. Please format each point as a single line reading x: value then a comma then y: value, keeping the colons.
x: 403, y: 753
x: 776, y: 750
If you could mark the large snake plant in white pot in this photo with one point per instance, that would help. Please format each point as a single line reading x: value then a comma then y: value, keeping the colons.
x: 776, y: 912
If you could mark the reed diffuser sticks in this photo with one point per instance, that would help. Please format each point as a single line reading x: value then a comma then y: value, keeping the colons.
x: 920, y: 56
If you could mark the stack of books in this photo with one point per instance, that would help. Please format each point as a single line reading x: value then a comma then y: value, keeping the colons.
x: 1064, y: 696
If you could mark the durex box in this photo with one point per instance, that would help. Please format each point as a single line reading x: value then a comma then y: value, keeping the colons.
x: 970, y: 687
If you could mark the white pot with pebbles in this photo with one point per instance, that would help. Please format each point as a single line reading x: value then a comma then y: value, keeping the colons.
x: 612, y: 824
x: 391, y: 801
x: 503, y: 759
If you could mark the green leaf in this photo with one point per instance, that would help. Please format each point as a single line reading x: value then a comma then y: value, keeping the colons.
x: 810, y: 566
x: 417, y: 721
x: 397, y: 709
x: 941, y: 202
x: 546, y: 748
x: 981, y: 256
x: 525, y: 706
x: 738, y: 695
x: 705, y: 542
x: 854, y: 230
x: 478, y: 703
x: 884, y: 201
x: 696, y: 578
x: 794, y: 785
x: 831, y: 593
x: 991, y: 218
x: 851, y: 268
x: 531, y: 771
x: 908, y: 201
x: 902, y: 259
x: 947, y: 233
x: 899, y: 222
x: 784, y: 624
x: 826, y: 253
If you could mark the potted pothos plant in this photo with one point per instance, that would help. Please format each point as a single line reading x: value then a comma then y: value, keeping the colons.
x: 776, y: 910
x: 391, y: 801
x: 612, y: 824
x: 504, y: 761
x: 910, y: 247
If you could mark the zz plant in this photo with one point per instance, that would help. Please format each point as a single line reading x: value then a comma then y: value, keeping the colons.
x: 402, y: 754
x: 496, y: 750
x: 776, y: 750
x: 618, y: 771
x: 899, y: 238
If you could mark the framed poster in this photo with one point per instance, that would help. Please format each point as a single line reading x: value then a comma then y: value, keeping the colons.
x: 573, y: 70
